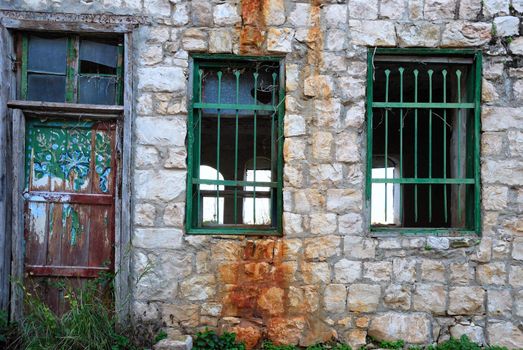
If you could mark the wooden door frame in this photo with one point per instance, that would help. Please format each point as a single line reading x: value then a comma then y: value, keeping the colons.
x: 13, y: 121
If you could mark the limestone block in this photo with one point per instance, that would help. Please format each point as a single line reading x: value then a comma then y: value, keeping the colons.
x: 157, y: 238
x: 286, y: 330
x: 378, y: 271
x: 150, y: 55
x: 279, y: 40
x: 303, y: 299
x: 440, y: 9
x: 293, y: 149
x: 176, y: 158
x: 469, y: 9
x: 505, y: 172
x: 161, y: 79
x: 322, y: 145
x: 517, y: 248
x: 220, y: 41
x: 160, y: 8
x: 499, y: 303
x: 347, y: 271
x: 161, y: 132
x: 322, y: 247
x: 170, y: 344
x: 173, y: 214
x: 392, y: 9
x: 271, y: 301
x: 415, y: 8
x: 146, y: 157
x: 489, y: 92
x: 185, y: 314
x: 363, y: 297
x: 372, y: 33
x: 494, y: 7
x: 492, y: 273
x: 495, y: 197
x: 397, y: 297
x: 334, y: 40
x: 466, y: 301
x: 516, y: 46
x: 226, y: 14
x: 500, y: 118
x: 248, y: 333
x: 461, y: 33
x: 300, y: 16
x: 274, y: 12
x: 348, y: 147
x: 292, y: 78
x: 199, y: 287
x: 335, y: 298
x: 419, y: 34
x: 350, y: 224
x: 294, y: 125
x: 180, y: 15
x: 505, y: 334
x: 151, y: 184
x: 412, y: 328
x: 506, y: 25
x: 516, y: 276
x: 293, y: 175
x: 355, y: 115
x: 320, y: 86
x: 363, y: 9
x: 343, y: 200
x: 432, y: 270
x: 335, y: 15
x: 194, y: 40
x: 145, y: 311
x: 323, y: 223
x: 316, y: 272
x: 517, y: 89
x: 225, y: 250
x: 404, y: 270
x: 492, y: 143
x: 460, y: 273
x: 430, y: 298
x: 359, y: 247
x: 518, y: 303
x: 473, y: 332
x: 201, y: 14
x: 351, y: 89
x: 324, y: 175
x: 144, y: 214
x: 438, y: 243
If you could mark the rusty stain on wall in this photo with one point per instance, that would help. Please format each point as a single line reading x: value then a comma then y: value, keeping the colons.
x: 253, y: 28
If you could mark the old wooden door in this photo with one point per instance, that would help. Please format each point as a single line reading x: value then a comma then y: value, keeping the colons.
x: 69, y: 205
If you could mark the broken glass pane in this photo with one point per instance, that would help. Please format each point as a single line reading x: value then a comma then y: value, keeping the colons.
x: 98, y: 58
x: 44, y: 87
x: 46, y: 54
x: 97, y: 90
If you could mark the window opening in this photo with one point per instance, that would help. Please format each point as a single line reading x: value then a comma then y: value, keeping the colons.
x: 424, y: 113
x: 71, y: 68
x: 235, y: 127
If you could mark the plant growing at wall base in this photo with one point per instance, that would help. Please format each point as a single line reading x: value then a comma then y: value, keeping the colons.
x: 210, y: 340
x: 396, y: 344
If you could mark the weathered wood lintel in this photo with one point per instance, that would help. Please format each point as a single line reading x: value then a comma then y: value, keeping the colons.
x: 61, y: 110
x: 66, y: 22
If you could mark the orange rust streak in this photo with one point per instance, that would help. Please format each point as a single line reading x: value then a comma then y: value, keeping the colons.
x: 253, y: 28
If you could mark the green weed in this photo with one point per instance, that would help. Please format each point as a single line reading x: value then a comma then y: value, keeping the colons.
x: 210, y: 340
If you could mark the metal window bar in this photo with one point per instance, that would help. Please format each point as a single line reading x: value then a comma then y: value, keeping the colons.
x: 472, y: 174
x: 232, y: 188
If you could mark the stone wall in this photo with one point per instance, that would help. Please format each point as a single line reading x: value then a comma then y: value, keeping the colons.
x: 327, y: 276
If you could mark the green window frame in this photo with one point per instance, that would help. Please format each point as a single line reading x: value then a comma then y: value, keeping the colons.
x: 424, y: 116
x: 73, y: 70
x: 226, y: 126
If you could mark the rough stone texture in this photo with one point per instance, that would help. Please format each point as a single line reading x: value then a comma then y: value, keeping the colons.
x: 412, y: 328
x: 328, y: 274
